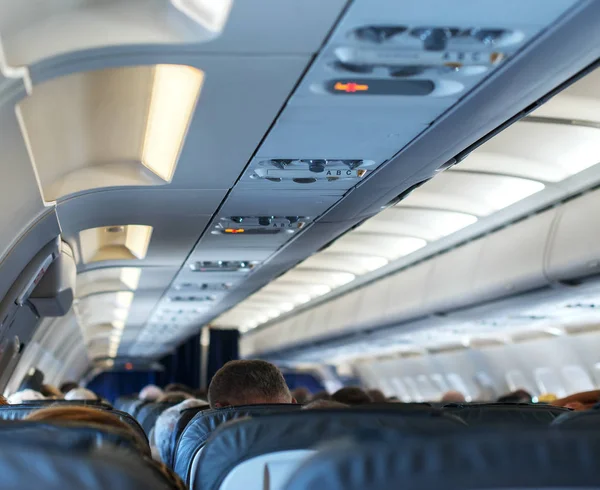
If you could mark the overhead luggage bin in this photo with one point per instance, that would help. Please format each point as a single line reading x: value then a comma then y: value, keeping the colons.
x: 573, y: 251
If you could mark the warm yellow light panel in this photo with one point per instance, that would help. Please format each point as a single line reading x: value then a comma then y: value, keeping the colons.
x: 175, y: 91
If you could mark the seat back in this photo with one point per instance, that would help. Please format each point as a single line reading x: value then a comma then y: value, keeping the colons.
x: 577, y: 420
x: 185, y: 417
x: 499, y: 460
x: 123, y: 402
x: 260, y: 453
x: 149, y: 412
x: 198, y: 430
x: 505, y: 413
x: 20, y: 411
x: 66, y: 436
x: 45, y: 466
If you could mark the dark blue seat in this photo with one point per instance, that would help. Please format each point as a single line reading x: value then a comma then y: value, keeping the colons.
x: 502, y: 459
x: 587, y: 420
x: 42, y: 465
x: 66, y: 436
x: 476, y: 414
x: 20, y: 411
x: 149, y: 412
x: 250, y: 452
x: 204, y: 423
x: 185, y: 416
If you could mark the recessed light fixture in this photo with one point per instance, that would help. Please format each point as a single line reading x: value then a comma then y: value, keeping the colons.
x: 169, y: 116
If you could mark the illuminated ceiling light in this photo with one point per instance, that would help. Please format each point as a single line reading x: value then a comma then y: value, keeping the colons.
x: 518, y: 190
x: 262, y: 319
x: 210, y: 14
x: 554, y: 331
x: 373, y: 263
x: 130, y: 276
x: 302, y: 298
x: 319, y: 290
x: 285, y: 307
x: 169, y: 116
x: 118, y: 324
x: 124, y: 299
x: 121, y: 314
x: 273, y: 314
x: 341, y: 278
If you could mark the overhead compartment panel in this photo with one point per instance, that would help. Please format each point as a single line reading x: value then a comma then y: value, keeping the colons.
x: 573, y: 250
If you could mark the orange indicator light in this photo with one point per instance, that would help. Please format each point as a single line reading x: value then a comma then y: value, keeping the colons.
x: 350, y: 87
x: 234, y: 230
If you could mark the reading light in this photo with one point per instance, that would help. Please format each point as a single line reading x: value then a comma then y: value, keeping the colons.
x: 175, y: 91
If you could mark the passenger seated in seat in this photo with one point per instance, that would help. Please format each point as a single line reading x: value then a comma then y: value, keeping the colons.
x: 321, y: 395
x: 94, y: 417
x: 322, y: 404
x: 351, y: 395
x: 302, y: 395
x: 178, y: 387
x: 250, y: 382
x: 50, y: 391
x: 81, y: 394
x: 174, y: 397
x: 150, y: 393
x: 518, y: 396
x: 377, y: 396
x: 453, y: 397
x: 25, y: 396
x: 68, y: 386
x: 3, y: 400
x: 160, y: 439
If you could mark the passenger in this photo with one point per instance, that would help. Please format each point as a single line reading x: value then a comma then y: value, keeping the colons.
x: 323, y: 404
x: 81, y: 394
x: 351, y: 395
x: 68, y: 386
x: 25, y: 396
x: 3, y: 400
x: 321, y: 395
x: 377, y: 396
x: 453, y: 397
x: 174, y: 397
x: 250, y: 382
x: 302, y: 395
x: 178, y: 387
x: 160, y: 440
x: 200, y: 394
x: 150, y: 393
x: 103, y: 418
x: 51, y: 391
x: 518, y: 396
x: 584, y: 400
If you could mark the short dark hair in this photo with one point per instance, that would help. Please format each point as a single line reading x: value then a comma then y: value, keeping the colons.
x: 179, y: 387
x: 68, y: 386
x: 351, y: 395
x: 246, y: 383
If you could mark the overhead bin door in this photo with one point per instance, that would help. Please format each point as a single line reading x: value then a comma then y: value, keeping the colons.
x: 511, y: 260
x: 574, y: 251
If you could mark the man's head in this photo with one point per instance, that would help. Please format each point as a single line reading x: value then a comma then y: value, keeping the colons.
x: 351, y: 395
x: 248, y: 383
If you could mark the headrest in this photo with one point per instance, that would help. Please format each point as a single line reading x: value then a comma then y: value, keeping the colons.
x: 18, y: 412
x: 578, y: 420
x: 505, y: 413
x: 184, y: 419
x: 64, y: 436
x: 122, y: 403
x: 33, y: 466
x: 198, y: 430
x: 149, y: 412
x: 242, y: 440
x: 496, y: 460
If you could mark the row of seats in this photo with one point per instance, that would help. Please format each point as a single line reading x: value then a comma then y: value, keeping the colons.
x: 215, y: 451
